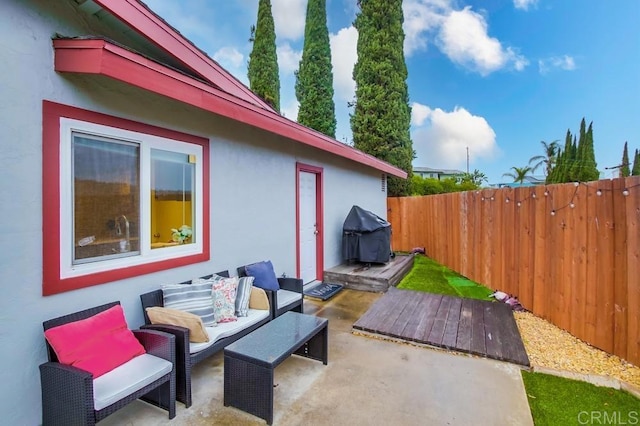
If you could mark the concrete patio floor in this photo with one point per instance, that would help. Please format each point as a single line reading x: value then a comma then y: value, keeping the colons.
x: 368, y: 381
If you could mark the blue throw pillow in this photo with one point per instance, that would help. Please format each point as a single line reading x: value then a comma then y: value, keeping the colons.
x: 264, y: 275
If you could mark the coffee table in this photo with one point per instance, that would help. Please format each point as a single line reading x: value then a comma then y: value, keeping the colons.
x: 249, y: 362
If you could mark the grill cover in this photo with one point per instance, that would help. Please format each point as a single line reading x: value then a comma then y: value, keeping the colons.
x: 366, y: 237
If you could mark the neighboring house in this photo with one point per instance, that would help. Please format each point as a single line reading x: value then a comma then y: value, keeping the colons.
x: 528, y: 181
x: 116, y: 130
x: 440, y: 174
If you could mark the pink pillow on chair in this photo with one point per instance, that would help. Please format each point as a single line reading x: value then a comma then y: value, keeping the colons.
x: 97, y: 344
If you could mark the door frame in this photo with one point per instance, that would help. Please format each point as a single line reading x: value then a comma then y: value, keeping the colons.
x: 318, y: 171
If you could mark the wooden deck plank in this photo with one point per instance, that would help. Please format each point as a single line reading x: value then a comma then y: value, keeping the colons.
x: 480, y: 327
x: 426, y: 322
x: 463, y: 342
x: 478, y: 345
x: 392, y: 315
x: 513, y: 347
x: 437, y: 331
x: 493, y: 335
x: 419, y: 313
x: 372, y: 319
x: 408, y: 314
x: 450, y: 336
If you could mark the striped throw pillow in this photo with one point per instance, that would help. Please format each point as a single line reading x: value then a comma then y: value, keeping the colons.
x: 243, y: 294
x: 193, y: 298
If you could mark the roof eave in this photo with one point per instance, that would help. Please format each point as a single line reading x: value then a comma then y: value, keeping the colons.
x: 100, y: 57
x: 143, y: 20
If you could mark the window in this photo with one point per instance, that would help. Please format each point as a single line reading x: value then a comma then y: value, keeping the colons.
x: 132, y: 199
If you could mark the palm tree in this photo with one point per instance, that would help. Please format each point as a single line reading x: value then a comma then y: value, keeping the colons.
x: 548, y: 158
x: 476, y: 177
x: 519, y: 173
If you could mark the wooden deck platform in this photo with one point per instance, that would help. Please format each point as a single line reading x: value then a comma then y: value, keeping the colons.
x: 375, y: 278
x: 478, y: 327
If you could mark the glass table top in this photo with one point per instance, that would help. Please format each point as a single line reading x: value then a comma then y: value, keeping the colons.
x: 277, y: 339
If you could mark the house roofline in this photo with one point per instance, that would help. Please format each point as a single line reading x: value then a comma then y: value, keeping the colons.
x: 99, y: 57
x: 143, y: 20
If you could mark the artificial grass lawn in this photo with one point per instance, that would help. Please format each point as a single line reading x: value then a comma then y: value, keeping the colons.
x: 429, y: 276
x: 559, y: 401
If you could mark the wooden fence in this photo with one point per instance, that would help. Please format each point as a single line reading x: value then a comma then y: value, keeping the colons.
x: 571, y: 253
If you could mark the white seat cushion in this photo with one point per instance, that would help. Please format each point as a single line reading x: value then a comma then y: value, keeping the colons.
x: 128, y: 378
x: 227, y: 329
x: 285, y: 297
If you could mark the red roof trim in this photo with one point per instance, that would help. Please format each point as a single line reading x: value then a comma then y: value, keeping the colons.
x: 155, y: 29
x: 103, y: 58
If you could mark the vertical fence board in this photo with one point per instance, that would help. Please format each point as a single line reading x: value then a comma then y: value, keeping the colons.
x: 605, y: 291
x: 632, y: 209
x: 620, y: 269
x: 487, y: 235
x: 541, y: 249
x: 509, y: 240
x: 478, y: 239
x: 579, y: 285
x: 591, y: 295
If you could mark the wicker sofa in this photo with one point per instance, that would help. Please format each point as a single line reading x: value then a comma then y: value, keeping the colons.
x: 187, y: 353
x: 72, y: 396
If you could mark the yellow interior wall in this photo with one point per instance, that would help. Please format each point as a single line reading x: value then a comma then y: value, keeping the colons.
x: 166, y: 215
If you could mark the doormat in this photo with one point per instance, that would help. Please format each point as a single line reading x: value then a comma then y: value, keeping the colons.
x: 323, y: 291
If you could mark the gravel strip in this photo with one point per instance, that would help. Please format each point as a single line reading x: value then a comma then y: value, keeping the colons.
x: 550, y: 346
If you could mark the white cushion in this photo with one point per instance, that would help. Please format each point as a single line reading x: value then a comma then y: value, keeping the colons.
x: 128, y: 378
x: 285, y: 297
x: 227, y: 329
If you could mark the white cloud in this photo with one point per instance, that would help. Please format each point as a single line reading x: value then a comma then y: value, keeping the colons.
x: 421, y: 17
x: 419, y: 113
x: 233, y: 61
x: 465, y: 40
x: 229, y: 57
x: 288, y: 59
x: 289, y: 18
x: 290, y: 110
x: 524, y: 4
x: 445, y: 136
x: 344, y: 55
x: 565, y: 63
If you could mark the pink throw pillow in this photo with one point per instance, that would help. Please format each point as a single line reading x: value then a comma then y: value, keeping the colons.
x: 97, y: 344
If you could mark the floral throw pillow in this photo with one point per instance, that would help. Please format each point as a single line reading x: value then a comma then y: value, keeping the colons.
x: 223, y: 293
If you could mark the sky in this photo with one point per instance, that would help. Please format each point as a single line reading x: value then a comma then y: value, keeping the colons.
x: 488, y: 79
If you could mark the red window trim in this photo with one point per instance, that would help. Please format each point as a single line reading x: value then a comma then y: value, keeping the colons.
x: 302, y: 167
x: 52, y: 283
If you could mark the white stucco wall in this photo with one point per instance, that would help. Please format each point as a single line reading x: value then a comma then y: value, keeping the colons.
x: 252, y: 192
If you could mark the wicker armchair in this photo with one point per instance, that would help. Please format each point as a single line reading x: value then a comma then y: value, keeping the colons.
x: 288, y: 298
x: 68, y: 392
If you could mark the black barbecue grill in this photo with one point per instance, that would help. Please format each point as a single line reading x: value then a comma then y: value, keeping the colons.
x: 366, y: 237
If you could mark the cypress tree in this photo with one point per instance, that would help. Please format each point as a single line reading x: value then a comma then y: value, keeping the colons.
x: 263, y: 71
x: 314, y: 79
x: 590, y: 168
x: 577, y: 167
x: 382, y: 115
x: 584, y: 168
x: 560, y: 171
x: 625, y: 169
x: 636, y: 164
